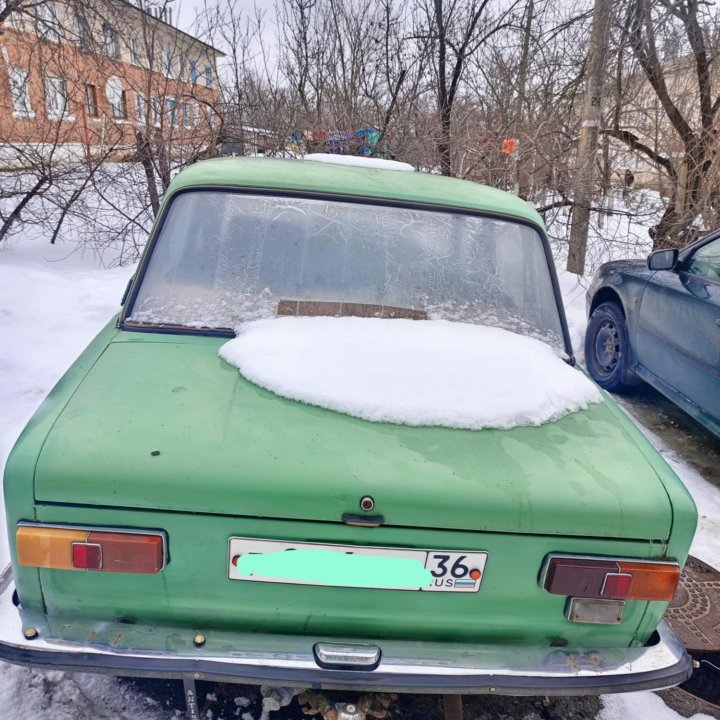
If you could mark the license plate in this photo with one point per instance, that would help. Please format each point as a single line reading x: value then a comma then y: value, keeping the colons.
x: 355, y: 566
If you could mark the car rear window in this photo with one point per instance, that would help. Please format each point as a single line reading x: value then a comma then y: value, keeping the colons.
x: 222, y: 258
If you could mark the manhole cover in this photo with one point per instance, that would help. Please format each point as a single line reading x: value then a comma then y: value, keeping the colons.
x: 694, y: 612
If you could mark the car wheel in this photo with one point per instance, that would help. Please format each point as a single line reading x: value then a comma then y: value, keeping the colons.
x: 607, y: 348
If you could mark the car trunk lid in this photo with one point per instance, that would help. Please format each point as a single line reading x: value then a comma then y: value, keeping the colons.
x: 161, y: 422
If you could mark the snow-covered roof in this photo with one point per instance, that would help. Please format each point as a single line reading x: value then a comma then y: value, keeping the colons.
x: 359, y: 161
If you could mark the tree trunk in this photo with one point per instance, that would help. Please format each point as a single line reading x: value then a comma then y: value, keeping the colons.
x: 588, y: 137
x: 444, y: 149
x: 145, y: 153
x: 675, y: 228
x: 161, y: 153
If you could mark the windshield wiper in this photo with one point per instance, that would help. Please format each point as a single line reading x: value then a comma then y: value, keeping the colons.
x: 175, y: 327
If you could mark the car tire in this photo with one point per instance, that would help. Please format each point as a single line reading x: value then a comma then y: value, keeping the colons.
x: 607, y: 348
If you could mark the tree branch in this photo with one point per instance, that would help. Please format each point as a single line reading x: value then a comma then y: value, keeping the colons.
x: 633, y: 142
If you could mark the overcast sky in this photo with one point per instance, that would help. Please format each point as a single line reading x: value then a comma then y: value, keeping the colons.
x: 185, y: 18
x: 186, y: 10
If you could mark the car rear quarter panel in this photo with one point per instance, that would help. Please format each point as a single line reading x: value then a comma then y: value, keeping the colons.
x: 18, y: 482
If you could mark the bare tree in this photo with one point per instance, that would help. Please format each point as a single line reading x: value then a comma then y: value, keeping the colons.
x: 454, y: 32
x: 674, y: 43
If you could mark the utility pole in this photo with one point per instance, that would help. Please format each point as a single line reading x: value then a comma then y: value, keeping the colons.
x: 585, y: 169
x: 521, y: 185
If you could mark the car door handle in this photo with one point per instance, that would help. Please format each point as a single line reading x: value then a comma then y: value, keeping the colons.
x: 717, y: 321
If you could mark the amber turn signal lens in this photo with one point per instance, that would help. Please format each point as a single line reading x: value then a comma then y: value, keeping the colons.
x: 90, y: 549
x: 650, y: 581
x: 47, y: 547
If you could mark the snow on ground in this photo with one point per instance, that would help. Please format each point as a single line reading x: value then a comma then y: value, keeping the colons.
x: 639, y: 706
x: 411, y: 372
x: 34, y: 695
x: 52, y: 302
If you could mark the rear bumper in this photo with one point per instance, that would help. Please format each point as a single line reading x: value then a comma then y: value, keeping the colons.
x: 168, y: 652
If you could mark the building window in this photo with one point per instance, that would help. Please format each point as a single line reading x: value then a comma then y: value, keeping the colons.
x: 91, y: 99
x: 84, y: 33
x: 110, y: 41
x: 211, y: 117
x: 140, y: 108
x: 119, y: 109
x: 170, y: 105
x: 56, y: 98
x: 157, y: 111
x: 182, y: 62
x: 186, y: 113
x: 167, y: 63
x: 47, y: 24
x: 117, y: 98
x: 196, y: 112
x: 193, y: 71
x: 208, y: 76
x: 134, y: 55
x: 20, y: 94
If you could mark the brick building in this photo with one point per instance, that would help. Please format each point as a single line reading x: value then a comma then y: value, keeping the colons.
x: 99, y: 76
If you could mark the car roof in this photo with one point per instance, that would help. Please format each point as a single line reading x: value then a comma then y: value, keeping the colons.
x: 353, y: 181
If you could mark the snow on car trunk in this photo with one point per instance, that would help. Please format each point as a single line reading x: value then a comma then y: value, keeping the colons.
x: 410, y: 372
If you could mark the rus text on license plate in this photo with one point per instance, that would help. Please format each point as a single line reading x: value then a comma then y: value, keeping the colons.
x: 355, y: 566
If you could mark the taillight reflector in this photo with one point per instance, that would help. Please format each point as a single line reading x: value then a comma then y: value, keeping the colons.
x: 85, y: 549
x: 613, y: 579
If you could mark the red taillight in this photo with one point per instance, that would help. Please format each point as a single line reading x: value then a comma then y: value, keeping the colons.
x: 67, y: 548
x: 613, y: 579
x: 616, y: 585
x: 130, y: 552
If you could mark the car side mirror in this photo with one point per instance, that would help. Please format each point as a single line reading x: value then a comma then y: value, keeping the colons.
x: 663, y: 259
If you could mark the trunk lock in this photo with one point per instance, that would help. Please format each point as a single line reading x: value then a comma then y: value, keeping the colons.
x: 367, y: 503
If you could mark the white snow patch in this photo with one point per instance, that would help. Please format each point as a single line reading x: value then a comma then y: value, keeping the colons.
x: 359, y: 161
x: 27, y: 694
x: 52, y: 303
x: 640, y: 706
x: 411, y: 372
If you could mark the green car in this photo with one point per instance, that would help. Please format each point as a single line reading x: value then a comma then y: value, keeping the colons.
x: 144, y: 496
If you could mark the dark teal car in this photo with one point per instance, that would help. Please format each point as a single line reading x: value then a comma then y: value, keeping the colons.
x: 659, y: 321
